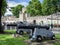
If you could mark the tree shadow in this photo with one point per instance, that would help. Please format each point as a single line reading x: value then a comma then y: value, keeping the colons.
x: 12, y: 41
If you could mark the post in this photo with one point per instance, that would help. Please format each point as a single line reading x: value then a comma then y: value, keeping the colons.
x: 57, y: 20
x: 58, y: 6
x: 34, y: 22
x: 51, y: 23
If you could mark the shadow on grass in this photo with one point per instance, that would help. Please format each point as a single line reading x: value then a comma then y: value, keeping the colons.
x: 9, y: 32
x: 12, y: 41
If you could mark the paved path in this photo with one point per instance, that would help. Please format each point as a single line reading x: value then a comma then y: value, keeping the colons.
x: 56, y: 30
x: 49, y: 42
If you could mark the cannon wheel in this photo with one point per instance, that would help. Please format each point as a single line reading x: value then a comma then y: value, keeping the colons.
x: 21, y: 32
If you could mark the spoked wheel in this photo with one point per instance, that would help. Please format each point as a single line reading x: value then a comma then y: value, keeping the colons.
x: 21, y: 32
x: 53, y: 37
x: 39, y: 38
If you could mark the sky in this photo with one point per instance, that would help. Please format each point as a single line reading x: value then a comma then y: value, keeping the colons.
x: 13, y: 3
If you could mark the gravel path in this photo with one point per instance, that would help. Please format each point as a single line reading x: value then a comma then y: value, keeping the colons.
x: 49, y: 42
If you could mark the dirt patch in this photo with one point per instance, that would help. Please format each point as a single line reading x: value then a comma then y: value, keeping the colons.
x: 48, y: 42
x: 16, y: 35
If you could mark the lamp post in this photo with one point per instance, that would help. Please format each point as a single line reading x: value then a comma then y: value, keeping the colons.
x: 57, y: 13
x: 51, y: 22
x: 57, y: 19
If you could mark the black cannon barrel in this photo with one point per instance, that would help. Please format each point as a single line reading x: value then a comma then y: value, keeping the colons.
x: 32, y: 26
x: 12, y: 24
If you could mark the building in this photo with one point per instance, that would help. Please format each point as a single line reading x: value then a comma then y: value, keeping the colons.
x: 51, y: 19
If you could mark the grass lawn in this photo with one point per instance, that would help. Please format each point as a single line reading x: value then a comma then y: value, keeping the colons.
x: 57, y: 37
x: 8, y: 39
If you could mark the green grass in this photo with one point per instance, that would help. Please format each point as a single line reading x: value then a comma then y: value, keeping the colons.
x: 8, y: 39
x: 57, y: 37
x: 10, y: 31
x: 57, y: 44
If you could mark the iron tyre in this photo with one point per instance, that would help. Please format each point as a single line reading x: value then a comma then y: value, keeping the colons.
x: 53, y: 37
x: 39, y: 38
x: 21, y: 32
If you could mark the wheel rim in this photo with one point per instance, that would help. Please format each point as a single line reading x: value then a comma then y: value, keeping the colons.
x: 53, y: 37
x: 39, y: 38
x: 21, y: 32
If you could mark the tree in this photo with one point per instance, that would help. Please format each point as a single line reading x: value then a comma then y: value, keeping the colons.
x: 16, y: 10
x: 4, y: 6
x: 58, y: 4
x: 3, y: 9
x: 49, y: 7
x: 34, y: 8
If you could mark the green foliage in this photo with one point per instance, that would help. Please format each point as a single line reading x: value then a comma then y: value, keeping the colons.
x: 58, y: 3
x: 49, y: 7
x: 16, y: 10
x: 34, y: 8
x: 4, y: 6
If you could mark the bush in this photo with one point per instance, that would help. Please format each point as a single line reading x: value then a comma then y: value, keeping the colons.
x: 55, y: 25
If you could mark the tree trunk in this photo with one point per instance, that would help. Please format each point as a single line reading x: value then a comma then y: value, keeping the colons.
x: 0, y: 25
x: 1, y: 29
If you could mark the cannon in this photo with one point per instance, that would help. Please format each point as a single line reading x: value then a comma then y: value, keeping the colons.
x: 26, y: 27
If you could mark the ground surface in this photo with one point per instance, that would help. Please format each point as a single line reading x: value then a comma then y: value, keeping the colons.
x: 48, y: 42
x: 9, y: 39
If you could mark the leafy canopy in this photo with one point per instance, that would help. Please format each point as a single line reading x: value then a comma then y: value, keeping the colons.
x: 49, y: 7
x: 4, y: 6
x: 34, y: 8
x: 16, y: 10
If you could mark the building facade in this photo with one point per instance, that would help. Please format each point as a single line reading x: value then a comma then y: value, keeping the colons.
x: 51, y: 19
